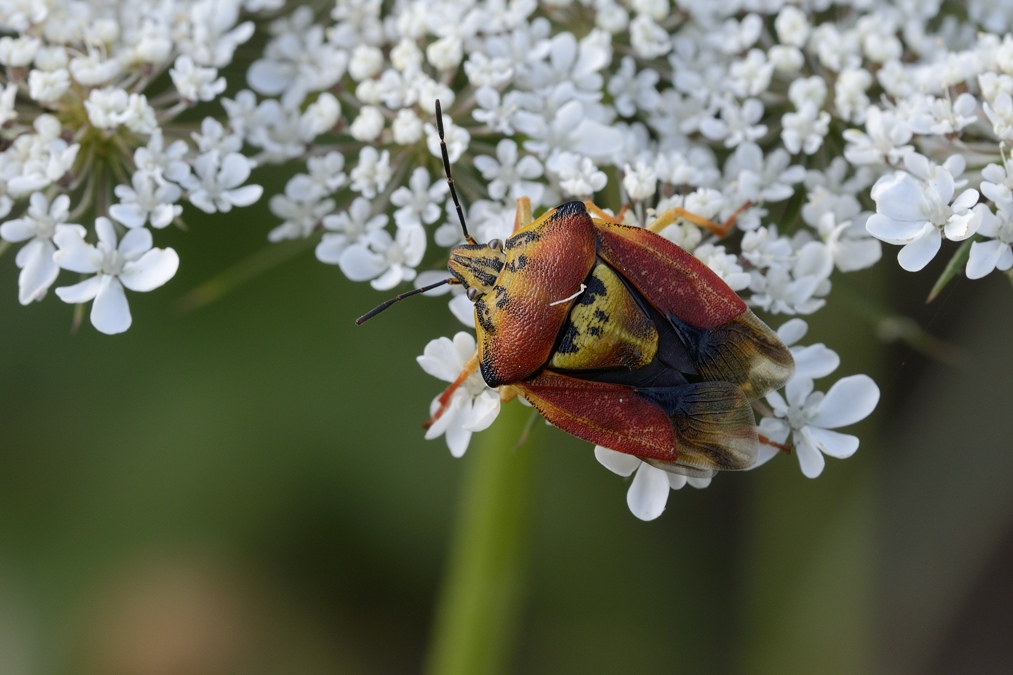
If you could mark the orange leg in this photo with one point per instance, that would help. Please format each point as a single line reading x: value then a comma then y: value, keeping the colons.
x: 600, y: 213
x: 469, y: 367
x: 672, y: 215
x: 780, y: 446
x: 523, y: 217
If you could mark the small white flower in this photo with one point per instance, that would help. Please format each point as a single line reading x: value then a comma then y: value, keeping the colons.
x: 419, y: 202
x: 792, y: 26
x: 217, y: 182
x: 569, y: 129
x: 577, y: 175
x: 456, y: 137
x: 885, y: 142
x: 917, y: 213
x: 320, y: 116
x: 738, y: 124
x: 147, y: 201
x: 366, y: 62
x: 407, y: 127
x: 195, y: 83
x: 47, y: 86
x: 472, y: 407
x: 996, y: 253
x: 301, y: 208
x: 804, y: 130
x: 132, y: 263
x: 724, y: 264
x: 372, y: 173
x: 632, y: 91
x: 347, y: 228
x: 383, y: 260
x: 650, y: 487
x: 509, y: 178
x: 640, y: 181
x: 750, y: 76
x: 38, y: 226
x: 367, y: 125
x: 810, y: 415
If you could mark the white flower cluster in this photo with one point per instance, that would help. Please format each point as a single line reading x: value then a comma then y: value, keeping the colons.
x: 89, y: 132
x: 951, y: 107
x: 724, y: 110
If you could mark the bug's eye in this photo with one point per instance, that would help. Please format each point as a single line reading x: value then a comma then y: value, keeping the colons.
x: 495, y: 244
x: 472, y: 293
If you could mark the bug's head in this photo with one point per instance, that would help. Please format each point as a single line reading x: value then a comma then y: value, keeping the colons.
x: 477, y: 266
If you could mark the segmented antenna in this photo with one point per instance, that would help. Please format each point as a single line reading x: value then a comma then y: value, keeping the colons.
x: 387, y: 303
x: 446, y: 169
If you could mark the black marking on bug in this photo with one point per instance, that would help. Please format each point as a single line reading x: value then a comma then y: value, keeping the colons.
x: 594, y: 287
x: 521, y: 239
x: 568, y: 341
x: 519, y: 263
x: 502, y: 297
x: 483, y: 318
x: 484, y: 278
x: 601, y: 316
x: 571, y: 209
x: 594, y: 331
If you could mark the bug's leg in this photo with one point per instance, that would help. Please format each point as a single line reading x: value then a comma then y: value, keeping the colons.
x: 618, y: 219
x: 470, y: 366
x: 523, y: 217
x: 720, y: 229
x: 774, y: 444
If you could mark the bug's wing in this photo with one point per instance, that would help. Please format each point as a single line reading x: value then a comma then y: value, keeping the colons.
x: 730, y: 343
x: 705, y: 426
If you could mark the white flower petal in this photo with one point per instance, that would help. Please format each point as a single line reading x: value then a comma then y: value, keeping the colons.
x: 74, y: 253
x: 151, y: 270
x: 457, y: 440
x: 896, y: 231
x: 243, y: 196
x: 358, y: 263
x: 616, y: 462
x: 110, y: 313
x: 440, y: 359
x: 793, y: 330
x: 832, y: 443
x: 851, y: 399
x: 130, y: 215
x: 648, y: 492
x: 106, y: 232
x: 80, y: 292
x: 983, y: 257
x: 916, y: 255
x: 38, y: 272
x: 815, y: 361
x: 134, y: 243
x: 483, y: 411
x: 810, y: 460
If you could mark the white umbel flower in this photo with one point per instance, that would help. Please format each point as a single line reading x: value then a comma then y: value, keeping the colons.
x: 472, y: 407
x: 131, y: 263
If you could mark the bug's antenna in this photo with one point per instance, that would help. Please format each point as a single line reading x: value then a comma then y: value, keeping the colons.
x: 387, y: 303
x: 446, y: 169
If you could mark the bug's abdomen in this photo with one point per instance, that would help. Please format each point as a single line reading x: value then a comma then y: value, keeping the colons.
x: 606, y: 328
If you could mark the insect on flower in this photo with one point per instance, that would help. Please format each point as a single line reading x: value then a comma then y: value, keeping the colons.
x: 616, y: 335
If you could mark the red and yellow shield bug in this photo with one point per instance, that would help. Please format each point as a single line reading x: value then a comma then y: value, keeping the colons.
x: 616, y: 335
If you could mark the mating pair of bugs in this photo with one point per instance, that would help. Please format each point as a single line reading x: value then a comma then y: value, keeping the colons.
x: 616, y: 335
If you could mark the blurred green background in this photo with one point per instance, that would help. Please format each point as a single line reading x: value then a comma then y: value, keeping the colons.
x: 245, y: 489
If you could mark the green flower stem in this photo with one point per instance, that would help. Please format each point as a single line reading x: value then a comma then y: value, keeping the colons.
x: 478, y: 611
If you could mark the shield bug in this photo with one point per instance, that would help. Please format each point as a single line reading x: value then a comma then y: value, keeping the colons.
x: 616, y: 335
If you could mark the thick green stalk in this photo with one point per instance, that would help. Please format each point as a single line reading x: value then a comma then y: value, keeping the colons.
x: 479, y: 606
